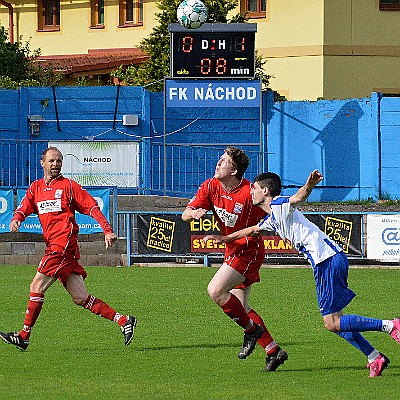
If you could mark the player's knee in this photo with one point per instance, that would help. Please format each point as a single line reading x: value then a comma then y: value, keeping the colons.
x: 80, y: 301
x: 214, y: 293
x: 331, y: 326
x: 211, y: 292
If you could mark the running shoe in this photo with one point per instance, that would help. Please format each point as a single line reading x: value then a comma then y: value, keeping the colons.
x: 250, y: 341
x: 376, y: 367
x: 395, y: 334
x: 128, y: 329
x: 275, y: 359
x: 15, y: 339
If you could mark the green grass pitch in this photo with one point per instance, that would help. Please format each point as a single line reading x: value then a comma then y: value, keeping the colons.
x: 184, y: 346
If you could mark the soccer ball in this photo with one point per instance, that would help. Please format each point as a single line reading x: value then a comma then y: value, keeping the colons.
x: 192, y: 13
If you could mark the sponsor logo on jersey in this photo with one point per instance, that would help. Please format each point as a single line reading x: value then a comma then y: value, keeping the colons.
x: 226, y: 196
x: 58, y: 194
x: 48, y: 206
x: 226, y: 217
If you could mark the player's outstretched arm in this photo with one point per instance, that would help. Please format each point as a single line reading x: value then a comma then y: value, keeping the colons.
x: 302, y: 194
x: 249, y: 231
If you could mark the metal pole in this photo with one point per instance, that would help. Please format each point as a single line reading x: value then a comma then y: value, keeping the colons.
x: 56, y: 108
x: 116, y: 105
x: 165, y: 141
x: 263, y: 138
x: 128, y: 239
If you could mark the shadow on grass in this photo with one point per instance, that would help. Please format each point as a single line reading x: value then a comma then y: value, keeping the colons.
x: 191, y: 346
x: 394, y: 371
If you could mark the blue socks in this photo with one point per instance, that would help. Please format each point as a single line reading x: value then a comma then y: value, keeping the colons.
x: 358, y: 341
x: 357, y: 323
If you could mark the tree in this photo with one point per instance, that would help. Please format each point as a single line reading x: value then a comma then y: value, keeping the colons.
x: 18, y: 66
x: 151, y: 73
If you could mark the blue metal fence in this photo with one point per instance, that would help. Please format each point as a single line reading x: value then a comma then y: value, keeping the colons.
x: 19, y: 162
x: 164, y: 169
x: 179, y: 169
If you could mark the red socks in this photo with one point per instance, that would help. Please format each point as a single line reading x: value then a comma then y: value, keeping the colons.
x: 234, y: 309
x: 98, y: 307
x: 266, y: 341
x: 35, y: 305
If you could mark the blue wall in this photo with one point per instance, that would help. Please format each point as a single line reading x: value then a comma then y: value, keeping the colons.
x: 354, y: 142
x: 338, y: 137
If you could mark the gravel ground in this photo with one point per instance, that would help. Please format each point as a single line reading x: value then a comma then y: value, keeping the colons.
x: 379, y: 206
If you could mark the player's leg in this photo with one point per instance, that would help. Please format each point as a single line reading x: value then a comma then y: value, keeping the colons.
x: 219, y: 289
x: 77, y: 289
x: 275, y: 355
x: 377, y: 361
x: 266, y: 341
x: 358, y: 323
x: 38, y: 287
x: 334, y: 294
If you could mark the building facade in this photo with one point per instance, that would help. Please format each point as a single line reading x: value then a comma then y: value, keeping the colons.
x: 314, y: 48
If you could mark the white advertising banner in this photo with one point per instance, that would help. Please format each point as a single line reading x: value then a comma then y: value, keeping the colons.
x: 383, y: 237
x: 100, y: 163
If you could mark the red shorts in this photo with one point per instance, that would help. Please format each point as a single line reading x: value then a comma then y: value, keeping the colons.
x: 248, y: 264
x: 55, y: 265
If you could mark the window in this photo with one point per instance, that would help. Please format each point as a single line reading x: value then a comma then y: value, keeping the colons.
x: 254, y: 8
x: 49, y: 15
x: 389, y: 5
x: 130, y: 12
x: 97, y: 13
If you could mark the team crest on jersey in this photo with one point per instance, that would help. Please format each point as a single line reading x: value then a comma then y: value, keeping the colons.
x: 58, y: 194
x: 238, y: 208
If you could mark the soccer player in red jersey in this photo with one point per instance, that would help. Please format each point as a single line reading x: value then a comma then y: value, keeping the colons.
x: 228, y: 196
x: 55, y: 199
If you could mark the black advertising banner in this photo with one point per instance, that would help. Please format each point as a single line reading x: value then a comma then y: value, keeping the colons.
x: 168, y: 234
x: 344, y: 229
x: 163, y: 233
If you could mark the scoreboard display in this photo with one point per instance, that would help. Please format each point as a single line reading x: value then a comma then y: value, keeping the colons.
x: 213, y: 51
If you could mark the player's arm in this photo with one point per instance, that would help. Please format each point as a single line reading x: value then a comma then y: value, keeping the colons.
x: 25, y: 208
x: 86, y: 204
x: 199, y: 205
x: 302, y: 194
x: 249, y: 231
x: 190, y: 214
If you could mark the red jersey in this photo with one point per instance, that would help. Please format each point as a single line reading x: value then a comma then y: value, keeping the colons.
x: 233, y: 210
x: 55, y: 204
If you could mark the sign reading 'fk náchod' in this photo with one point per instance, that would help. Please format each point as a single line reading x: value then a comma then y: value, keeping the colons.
x: 212, y: 93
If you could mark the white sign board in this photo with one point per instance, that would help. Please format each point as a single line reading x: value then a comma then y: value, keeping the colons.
x: 383, y: 237
x: 100, y: 163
